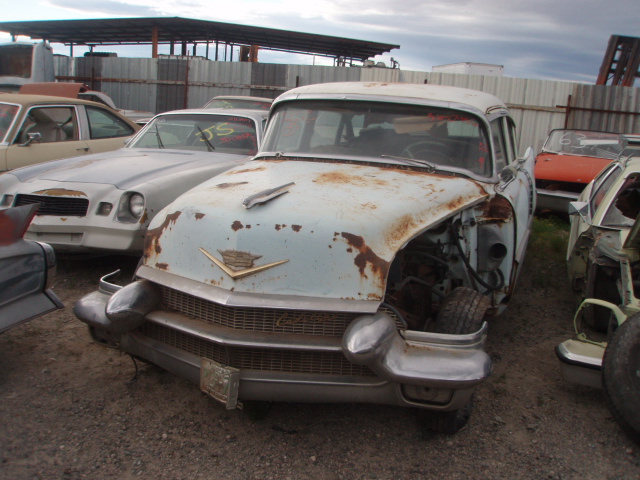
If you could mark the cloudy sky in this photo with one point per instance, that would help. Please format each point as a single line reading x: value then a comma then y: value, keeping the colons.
x: 542, y: 39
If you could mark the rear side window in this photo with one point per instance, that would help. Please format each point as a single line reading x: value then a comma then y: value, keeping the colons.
x: 104, y: 124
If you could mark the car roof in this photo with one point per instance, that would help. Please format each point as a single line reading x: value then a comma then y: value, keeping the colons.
x: 242, y: 97
x: 26, y: 100
x: 256, y: 114
x: 482, y: 101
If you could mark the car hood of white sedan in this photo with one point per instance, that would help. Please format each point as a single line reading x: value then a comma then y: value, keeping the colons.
x: 337, y: 227
x: 122, y: 168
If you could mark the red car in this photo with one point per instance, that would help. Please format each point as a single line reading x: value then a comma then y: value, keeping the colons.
x: 569, y: 160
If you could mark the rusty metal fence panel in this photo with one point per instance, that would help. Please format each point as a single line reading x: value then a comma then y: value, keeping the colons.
x: 605, y: 108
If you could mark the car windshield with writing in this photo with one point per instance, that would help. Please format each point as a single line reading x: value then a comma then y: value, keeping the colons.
x: 214, y: 133
x: 8, y: 113
x: 382, y: 131
x: 584, y: 142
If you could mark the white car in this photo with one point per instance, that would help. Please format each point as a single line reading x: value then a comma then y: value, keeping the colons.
x: 104, y: 202
x: 604, y: 269
x: 354, y: 259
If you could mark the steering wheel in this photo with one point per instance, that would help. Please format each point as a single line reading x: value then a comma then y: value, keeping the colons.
x: 427, y: 150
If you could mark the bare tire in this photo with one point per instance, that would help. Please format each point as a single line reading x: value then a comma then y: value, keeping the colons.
x: 621, y: 376
x: 461, y: 312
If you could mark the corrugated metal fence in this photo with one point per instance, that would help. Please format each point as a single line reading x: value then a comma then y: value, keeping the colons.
x: 170, y: 83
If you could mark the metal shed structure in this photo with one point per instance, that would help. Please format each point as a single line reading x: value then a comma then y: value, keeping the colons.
x: 182, y: 31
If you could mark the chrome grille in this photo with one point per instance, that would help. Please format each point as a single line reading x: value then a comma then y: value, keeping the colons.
x: 300, y: 322
x: 58, y: 206
x: 319, y: 363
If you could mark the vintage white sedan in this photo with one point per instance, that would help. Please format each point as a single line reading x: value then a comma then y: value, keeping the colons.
x: 104, y: 202
x: 354, y: 259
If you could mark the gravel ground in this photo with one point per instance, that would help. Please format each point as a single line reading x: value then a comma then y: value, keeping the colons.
x: 69, y: 409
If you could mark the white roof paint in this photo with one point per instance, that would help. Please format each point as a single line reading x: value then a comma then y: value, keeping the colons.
x: 439, y: 93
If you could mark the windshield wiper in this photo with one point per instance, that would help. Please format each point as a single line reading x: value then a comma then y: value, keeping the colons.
x: 413, y: 161
x: 160, y: 144
x: 210, y: 147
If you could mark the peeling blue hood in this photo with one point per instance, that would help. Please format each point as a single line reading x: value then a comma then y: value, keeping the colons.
x: 332, y: 235
x: 122, y: 168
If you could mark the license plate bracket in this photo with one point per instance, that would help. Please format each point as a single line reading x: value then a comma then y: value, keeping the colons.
x: 220, y: 382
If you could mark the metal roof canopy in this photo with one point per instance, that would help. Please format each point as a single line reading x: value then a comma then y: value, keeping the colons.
x: 172, y: 30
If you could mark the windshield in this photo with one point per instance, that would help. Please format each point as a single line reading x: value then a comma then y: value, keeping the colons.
x: 439, y: 136
x: 7, y: 116
x: 585, y: 142
x: 245, y: 103
x: 219, y: 133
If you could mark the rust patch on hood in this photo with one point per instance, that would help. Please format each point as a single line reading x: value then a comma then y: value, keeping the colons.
x: 246, y: 170
x: 296, y: 228
x: 400, y: 229
x: 199, y: 216
x: 162, y: 266
x: 342, y: 178
x: 237, y: 225
x: 61, y: 192
x: 378, y: 266
x: 151, y: 239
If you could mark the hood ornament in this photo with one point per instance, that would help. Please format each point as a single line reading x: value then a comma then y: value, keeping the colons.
x: 265, y: 195
x: 239, y: 259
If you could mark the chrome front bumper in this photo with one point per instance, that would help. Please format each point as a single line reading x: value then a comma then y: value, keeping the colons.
x: 411, y: 368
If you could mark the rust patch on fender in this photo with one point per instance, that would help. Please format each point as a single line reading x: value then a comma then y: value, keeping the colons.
x: 378, y: 266
x: 61, y: 192
x: 498, y: 208
x: 237, y: 225
x: 162, y: 266
x: 280, y: 227
x: 151, y: 239
x: 144, y: 217
x: 296, y: 228
x: 199, y: 216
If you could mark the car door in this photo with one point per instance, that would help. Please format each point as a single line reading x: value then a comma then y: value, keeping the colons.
x: 518, y: 181
x: 47, y: 132
x: 105, y: 130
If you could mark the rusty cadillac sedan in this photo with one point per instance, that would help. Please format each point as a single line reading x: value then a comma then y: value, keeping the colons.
x: 354, y: 259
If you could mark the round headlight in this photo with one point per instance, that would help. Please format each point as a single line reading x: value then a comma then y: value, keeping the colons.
x: 136, y: 205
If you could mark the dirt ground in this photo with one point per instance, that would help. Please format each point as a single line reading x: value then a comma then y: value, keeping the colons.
x: 69, y: 410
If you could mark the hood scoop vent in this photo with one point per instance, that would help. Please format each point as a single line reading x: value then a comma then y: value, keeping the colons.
x: 265, y: 195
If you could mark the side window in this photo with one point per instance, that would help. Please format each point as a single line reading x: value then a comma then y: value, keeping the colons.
x: 601, y: 186
x: 104, y: 124
x: 49, y: 124
x: 499, y: 144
